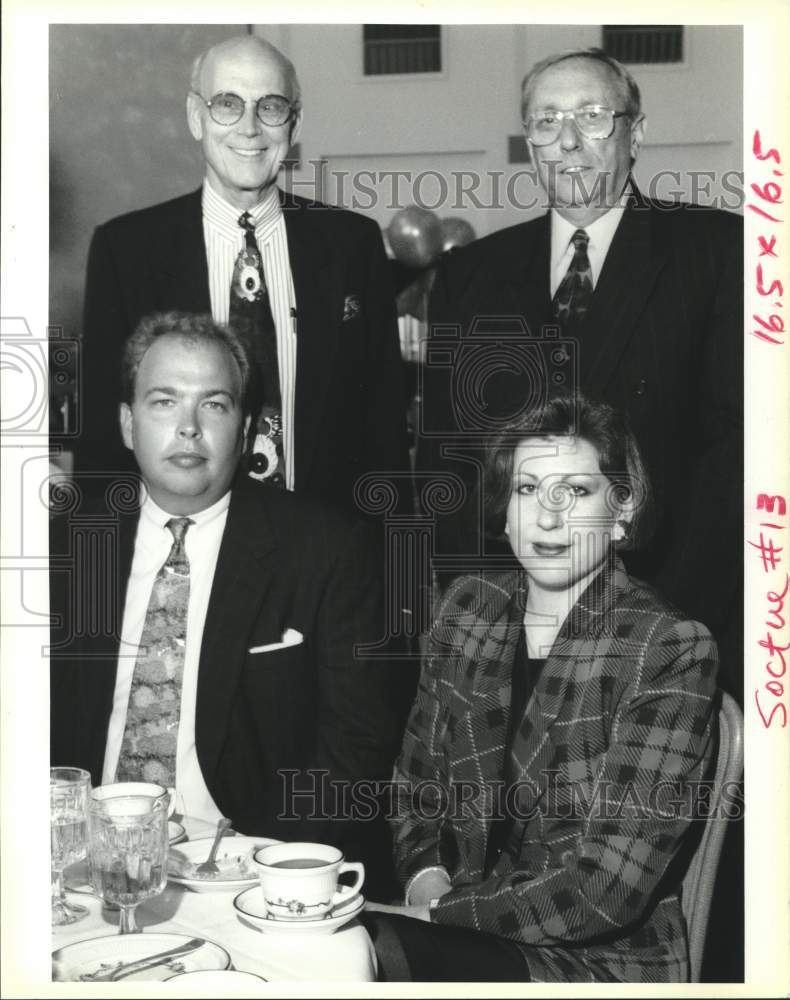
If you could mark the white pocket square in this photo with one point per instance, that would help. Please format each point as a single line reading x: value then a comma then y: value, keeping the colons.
x: 290, y: 638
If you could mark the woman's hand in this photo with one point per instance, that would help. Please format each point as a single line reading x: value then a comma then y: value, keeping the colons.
x: 430, y: 883
x: 415, y: 912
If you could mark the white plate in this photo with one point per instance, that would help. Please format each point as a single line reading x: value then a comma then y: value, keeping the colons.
x: 195, y: 851
x: 250, y: 906
x: 73, y: 961
x: 227, y: 979
x: 175, y: 832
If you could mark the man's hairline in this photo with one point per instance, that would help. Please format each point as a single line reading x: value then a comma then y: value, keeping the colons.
x: 288, y: 68
x: 620, y: 83
x: 195, y: 340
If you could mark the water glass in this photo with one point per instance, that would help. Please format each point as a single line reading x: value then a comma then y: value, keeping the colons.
x: 128, y: 850
x: 68, y: 811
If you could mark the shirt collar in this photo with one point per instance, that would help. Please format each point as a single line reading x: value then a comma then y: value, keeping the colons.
x: 224, y: 217
x: 153, y: 515
x: 601, y: 231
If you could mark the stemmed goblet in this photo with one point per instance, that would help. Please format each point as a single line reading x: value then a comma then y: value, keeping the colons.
x: 68, y: 814
x: 128, y: 850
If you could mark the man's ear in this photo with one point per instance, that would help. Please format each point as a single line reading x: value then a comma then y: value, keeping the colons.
x: 296, y: 126
x: 127, y: 425
x: 195, y: 116
x: 638, y: 129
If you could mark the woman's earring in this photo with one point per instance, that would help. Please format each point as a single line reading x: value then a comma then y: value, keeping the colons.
x: 619, y: 531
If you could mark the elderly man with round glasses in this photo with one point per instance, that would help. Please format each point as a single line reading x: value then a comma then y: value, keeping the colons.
x: 630, y: 300
x: 306, y: 286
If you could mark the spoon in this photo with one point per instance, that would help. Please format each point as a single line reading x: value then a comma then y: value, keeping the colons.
x: 208, y: 867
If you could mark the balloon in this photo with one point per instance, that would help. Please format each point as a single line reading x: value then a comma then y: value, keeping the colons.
x: 415, y: 236
x: 456, y: 232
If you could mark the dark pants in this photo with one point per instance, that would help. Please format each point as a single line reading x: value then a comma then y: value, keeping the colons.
x: 410, y: 950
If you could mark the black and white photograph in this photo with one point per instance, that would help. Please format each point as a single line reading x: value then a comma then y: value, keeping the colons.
x: 395, y: 479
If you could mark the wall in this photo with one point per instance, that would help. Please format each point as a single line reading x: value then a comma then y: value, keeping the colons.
x: 119, y: 139
x: 460, y: 119
x: 118, y: 135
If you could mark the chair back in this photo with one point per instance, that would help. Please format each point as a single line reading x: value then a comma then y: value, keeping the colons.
x: 700, y: 877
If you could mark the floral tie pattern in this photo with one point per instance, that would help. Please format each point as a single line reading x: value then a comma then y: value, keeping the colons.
x: 148, y: 751
x: 572, y: 298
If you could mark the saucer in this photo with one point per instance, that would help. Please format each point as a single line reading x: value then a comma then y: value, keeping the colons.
x: 249, y: 906
x: 221, y: 980
x: 184, y: 859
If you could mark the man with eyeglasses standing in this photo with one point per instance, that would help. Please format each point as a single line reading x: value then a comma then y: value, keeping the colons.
x: 305, y: 285
x: 635, y: 301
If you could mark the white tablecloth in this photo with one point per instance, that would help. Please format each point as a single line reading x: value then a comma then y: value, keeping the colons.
x: 347, y: 955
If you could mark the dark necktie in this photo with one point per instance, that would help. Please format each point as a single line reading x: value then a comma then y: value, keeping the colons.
x: 251, y: 316
x: 148, y: 751
x: 572, y: 298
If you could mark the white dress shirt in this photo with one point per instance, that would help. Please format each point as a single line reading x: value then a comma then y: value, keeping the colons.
x: 224, y: 239
x: 601, y: 233
x: 151, y: 548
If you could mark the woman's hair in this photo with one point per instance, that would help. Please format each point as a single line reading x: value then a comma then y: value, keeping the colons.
x: 579, y: 417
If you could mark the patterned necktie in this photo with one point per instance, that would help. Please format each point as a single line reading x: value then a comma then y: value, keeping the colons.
x: 572, y: 298
x: 251, y: 317
x: 148, y: 751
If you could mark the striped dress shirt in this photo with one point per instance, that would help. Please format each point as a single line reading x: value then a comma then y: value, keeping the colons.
x: 224, y: 239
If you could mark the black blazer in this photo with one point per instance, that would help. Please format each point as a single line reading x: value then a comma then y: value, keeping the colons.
x: 284, y: 562
x: 349, y: 414
x: 662, y: 340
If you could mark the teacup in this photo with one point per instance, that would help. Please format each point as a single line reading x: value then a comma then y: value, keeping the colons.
x: 133, y: 789
x: 299, y: 880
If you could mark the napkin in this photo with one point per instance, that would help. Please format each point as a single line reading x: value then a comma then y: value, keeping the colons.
x: 290, y: 637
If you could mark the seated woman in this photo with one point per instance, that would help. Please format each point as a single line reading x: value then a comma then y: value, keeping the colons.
x: 545, y: 784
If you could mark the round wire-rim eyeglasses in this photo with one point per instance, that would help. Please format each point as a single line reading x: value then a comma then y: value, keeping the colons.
x: 228, y: 108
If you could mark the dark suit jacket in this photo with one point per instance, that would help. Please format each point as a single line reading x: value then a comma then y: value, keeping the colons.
x: 662, y: 341
x: 587, y: 884
x: 283, y: 563
x: 349, y: 411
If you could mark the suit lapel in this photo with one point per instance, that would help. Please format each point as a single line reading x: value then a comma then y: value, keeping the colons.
x: 489, y: 634
x: 632, y: 266
x: 100, y: 654
x: 319, y: 306
x: 181, y: 259
x: 245, y: 574
x: 587, y: 620
x: 526, y: 274
x: 127, y: 531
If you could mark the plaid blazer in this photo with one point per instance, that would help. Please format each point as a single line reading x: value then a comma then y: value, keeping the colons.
x: 617, y: 730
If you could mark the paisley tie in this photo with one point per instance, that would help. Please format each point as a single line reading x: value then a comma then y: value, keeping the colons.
x: 148, y: 751
x: 572, y: 298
